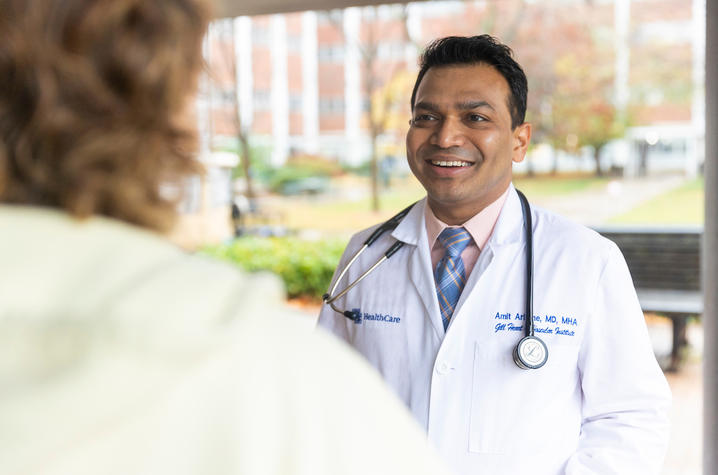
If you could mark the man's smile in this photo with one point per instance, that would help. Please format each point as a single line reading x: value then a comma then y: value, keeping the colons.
x: 453, y: 163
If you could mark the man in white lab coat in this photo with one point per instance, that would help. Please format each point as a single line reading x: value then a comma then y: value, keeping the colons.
x: 441, y: 318
x: 120, y: 354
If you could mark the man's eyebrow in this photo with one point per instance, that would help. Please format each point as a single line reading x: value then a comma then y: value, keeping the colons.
x: 430, y: 106
x: 469, y: 105
x: 465, y: 105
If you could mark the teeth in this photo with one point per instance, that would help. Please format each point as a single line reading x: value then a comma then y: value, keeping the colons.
x: 457, y: 163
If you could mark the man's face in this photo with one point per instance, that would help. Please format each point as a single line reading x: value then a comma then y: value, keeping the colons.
x: 461, y: 145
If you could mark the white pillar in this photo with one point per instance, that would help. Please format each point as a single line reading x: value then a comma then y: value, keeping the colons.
x: 413, y: 26
x: 310, y: 83
x: 352, y: 85
x: 204, y: 104
x: 280, y: 91
x: 244, y: 73
x: 710, y: 248
x: 622, y: 21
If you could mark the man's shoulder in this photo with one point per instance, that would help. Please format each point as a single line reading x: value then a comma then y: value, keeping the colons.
x: 567, y: 233
x: 407, y: 216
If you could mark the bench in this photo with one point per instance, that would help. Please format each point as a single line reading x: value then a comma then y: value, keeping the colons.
x: 665, y: 265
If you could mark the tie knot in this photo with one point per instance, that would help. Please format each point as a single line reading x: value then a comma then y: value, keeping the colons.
x: 454, y: 240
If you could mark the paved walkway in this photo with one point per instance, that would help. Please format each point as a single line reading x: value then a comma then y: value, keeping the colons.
x: 617, y: 197
x: 685, y: 448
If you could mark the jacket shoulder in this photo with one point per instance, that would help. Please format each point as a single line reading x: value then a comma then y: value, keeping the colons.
x: 570, y: 235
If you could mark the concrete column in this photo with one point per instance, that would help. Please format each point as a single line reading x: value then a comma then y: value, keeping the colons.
x: 622, y: 22
x: 244, y: 74
x: 204, y: 103
x: 280, y: 91
x: 310, y: 83
x: 710, y: 248
x: 414, y: 28
x: 352, y: 84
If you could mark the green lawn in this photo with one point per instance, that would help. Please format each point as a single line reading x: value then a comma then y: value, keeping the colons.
x: 549, y: 185
x: 343, y: 216
x: 683, y: 205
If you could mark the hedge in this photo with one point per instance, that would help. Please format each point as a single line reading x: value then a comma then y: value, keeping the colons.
x: 306, y: 267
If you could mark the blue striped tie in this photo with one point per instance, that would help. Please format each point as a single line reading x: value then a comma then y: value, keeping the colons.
x: 450, y: 276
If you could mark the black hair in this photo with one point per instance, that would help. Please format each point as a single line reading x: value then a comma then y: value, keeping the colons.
x: 482, y: 49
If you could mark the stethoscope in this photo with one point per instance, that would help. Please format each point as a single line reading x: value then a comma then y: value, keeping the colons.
x: 530, y: 352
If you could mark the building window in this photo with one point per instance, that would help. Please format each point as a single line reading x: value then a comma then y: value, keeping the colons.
x: 260, y: 35
x: 219, y: 181
x: 295, y: 103
x: 331, y: 105
x: 223, y: 97
x: 294, y: 43
x: 224, y: 29
x: 332, y: 17
x: 331, y: 53
x: 391, y: 51
x: 191, y: 195
x: 261, y: 100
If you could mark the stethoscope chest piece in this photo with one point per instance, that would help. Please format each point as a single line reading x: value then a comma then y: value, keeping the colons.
x: 530, y: 353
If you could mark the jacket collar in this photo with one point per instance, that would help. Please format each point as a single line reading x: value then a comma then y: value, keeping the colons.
x: 412, y: 228
x: 508, y: 227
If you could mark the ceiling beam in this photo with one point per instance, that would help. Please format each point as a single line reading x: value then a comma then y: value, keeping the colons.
x: 233, y: 8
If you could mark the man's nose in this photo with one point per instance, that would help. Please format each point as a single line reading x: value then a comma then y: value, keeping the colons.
x: 449, y: 133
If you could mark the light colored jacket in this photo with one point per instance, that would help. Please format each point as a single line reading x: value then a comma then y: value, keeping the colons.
x: 121, y: 354
x: 599, y: 405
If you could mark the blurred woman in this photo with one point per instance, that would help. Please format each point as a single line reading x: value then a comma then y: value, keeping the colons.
x: 119, y: 353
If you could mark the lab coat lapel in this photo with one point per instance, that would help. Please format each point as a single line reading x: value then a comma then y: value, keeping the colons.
x: 505, y: 238
x: 412, y: 230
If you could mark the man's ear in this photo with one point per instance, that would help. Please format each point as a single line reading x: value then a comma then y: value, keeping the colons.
x: 521, y: 139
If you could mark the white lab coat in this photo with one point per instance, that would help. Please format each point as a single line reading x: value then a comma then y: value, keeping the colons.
x: 599, y: 405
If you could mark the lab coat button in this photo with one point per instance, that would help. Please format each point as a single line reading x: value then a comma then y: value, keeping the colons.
x: 442, y: 368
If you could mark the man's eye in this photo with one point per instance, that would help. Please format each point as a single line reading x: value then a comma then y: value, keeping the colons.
x: 423, y: 120
x: 476, y: 118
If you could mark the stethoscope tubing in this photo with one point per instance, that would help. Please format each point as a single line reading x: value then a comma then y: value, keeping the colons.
x: 389, y: 225
x: 393, y: 222
x: 528, y: 236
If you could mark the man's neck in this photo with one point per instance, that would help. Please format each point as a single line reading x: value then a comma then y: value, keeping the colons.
x: 457, y: 215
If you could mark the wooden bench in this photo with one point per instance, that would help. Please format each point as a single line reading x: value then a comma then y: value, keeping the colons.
x: 665, y: 266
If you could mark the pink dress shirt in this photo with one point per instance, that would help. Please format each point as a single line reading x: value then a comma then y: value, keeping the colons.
x: 480, y: 227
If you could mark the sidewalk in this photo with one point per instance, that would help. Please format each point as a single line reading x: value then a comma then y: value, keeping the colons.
x: 685, y: 448
x: 617, y: 197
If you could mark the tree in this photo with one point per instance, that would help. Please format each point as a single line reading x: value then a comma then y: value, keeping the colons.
x: 383, y: 80
x: 583, y: 113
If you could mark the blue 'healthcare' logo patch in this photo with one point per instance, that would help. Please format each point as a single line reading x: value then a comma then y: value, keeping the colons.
x: 359, y: 317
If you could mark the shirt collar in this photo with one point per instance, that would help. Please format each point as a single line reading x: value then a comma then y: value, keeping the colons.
x: 480, y: 226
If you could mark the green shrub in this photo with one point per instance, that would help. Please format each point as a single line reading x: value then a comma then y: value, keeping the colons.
x: 302, y: 168
x: 306, y: 267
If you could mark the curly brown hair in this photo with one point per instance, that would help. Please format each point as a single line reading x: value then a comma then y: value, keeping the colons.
x: 94, y: 104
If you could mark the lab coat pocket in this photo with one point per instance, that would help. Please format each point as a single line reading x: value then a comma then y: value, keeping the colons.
x: 514, y: 408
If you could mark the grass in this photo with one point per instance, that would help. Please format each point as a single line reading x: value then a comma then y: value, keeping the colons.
x: 681, y: 206
x: 552, y: 185
x: 341, y: 215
